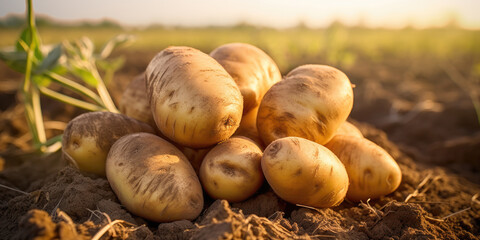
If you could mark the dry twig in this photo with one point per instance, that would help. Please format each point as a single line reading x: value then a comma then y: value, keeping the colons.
x: 379, y: 214
x: 472, y: 202
x: 109, y: 226
x: 304, y: 206
x: 422, y: 187
x: 13, y: 189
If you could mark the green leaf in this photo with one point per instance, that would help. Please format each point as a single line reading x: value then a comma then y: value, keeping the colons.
x: 120, y: 40
x: 50, y: 61
x: 86, y: 76
x: 53, y: 140
x: 26, y: 38
x: 86, y: 47
x: 15, y: 60
x: 70, y: 49
x: 112, y: 65
x: 59, y: 69
x: 41, y: 80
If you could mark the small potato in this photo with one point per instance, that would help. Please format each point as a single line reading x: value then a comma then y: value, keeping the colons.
x: 194, y: 101
x: 231, y: 170
x: 310, y: 102
x: 348, y: 129
x: 304, y: 172
x: 248, y: 127
x: 372, y: 171
x: 134, y: 102
x: 194, y: 156
x: 251, y: 68
x: 88, y: 138
x: 153, y: 179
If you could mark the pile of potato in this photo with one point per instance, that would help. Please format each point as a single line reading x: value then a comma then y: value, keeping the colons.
x: 224, y: 122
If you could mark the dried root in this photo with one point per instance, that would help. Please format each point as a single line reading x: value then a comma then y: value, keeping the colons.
x: 110, y: 226
x: 473, y: 202
x: 379, y: 214
x: 422, y: 187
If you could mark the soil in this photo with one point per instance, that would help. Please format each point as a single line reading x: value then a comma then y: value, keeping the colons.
x: 410, y: 108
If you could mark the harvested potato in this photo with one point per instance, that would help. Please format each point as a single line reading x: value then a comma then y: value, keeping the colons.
x: 231, y: 170
x: 348, y: 129
x: 88, y: 138
x: 248, y: 127
x: 153, y: 179
x: 194, y: 156
x: 304, y: 172
x: 311, y: 102
x: 251, y: 68
x: 372, y: 171
x: 134, y: 102
x: 194, y: 101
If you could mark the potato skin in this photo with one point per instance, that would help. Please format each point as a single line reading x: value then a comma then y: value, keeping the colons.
x: 251, y: 68
x: 304, y: 172
x: 372, y: 171
x: 194, y: 100
x: 348, y: 129
x: 88, y: 138
x: 194, y: 156
x: 311, y: 102
x: 153, y: 179
x: 134, y: 102
x: 248, y: 127
x: 231, y: 170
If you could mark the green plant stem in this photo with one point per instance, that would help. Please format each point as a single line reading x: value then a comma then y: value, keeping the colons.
x: 30, y: 16
x: 29, y: 114
x: 38, y: 117
x: 103, y: 92
x: 31, y: 94
x: 78, y: 88
x: 32, y: 103
x: 69, y: 100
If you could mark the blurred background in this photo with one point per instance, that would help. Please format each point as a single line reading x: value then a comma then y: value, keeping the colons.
x: 292, y: 32
x: 415, y: 64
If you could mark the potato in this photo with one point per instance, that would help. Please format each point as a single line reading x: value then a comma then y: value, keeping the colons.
x: 88, y: 138
x: 304, y: 172
x: 134, y: 102
x: 231, y: 170
x: 153, y: 179
x: 372, y: 171
x: 348, y: 129
x: 251, y: 68
x: 194, y: 101
x: 248, y: 127
x: 311, y: 102
x: 194, y: 156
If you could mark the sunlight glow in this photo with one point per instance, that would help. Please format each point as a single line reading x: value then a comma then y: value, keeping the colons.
x: 273, y: 13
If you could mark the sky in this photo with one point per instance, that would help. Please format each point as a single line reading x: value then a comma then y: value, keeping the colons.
x: 272, y: 13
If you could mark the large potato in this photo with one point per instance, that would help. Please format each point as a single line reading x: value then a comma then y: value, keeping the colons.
x: 348, y: 129
x: 251, y: 68
x: 194, y: 100
x: 134, y: 102
x: 231, y: 170
x: 153, y: 179
x: 304, y: 172
x: 372, y: 171
x: 311, y: 102
x: 88, y: 138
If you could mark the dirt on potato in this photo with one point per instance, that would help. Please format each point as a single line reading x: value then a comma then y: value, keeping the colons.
x: 417, y: 114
